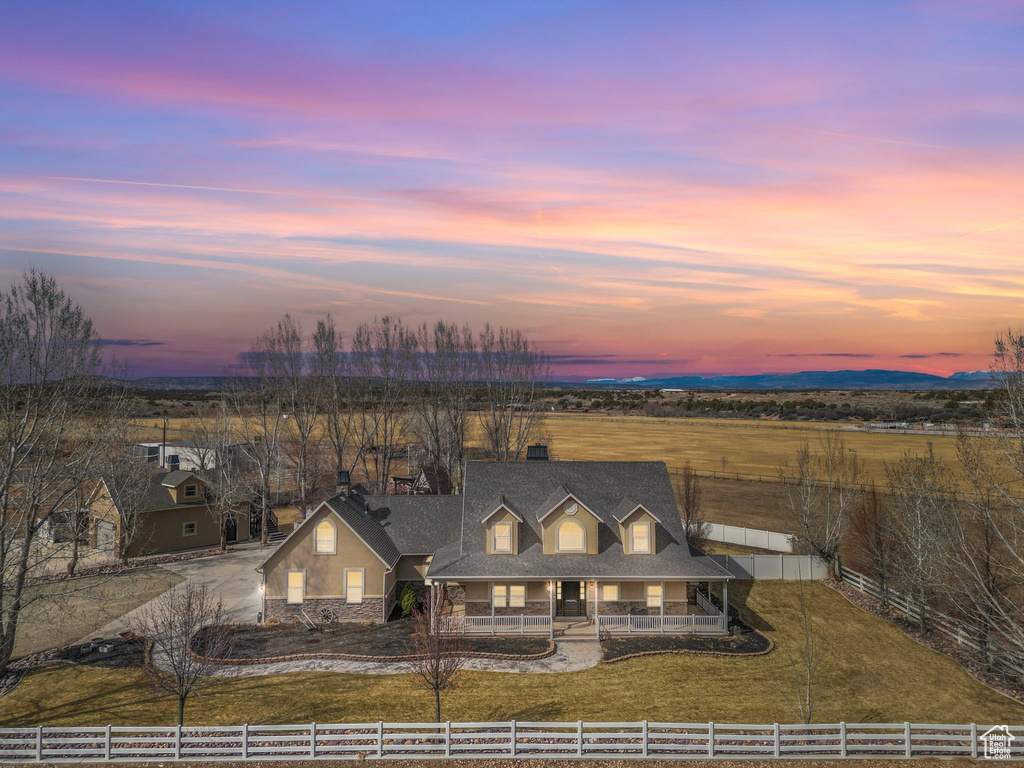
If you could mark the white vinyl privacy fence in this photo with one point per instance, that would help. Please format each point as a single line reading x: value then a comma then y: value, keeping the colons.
x: 750, y: 537
x: 784, y: 567
x: 677, y: 741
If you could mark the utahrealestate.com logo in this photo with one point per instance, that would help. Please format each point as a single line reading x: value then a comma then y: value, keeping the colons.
x: 997, y: 741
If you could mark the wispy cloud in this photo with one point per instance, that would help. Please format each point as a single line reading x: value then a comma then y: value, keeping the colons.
x: 130, y: 343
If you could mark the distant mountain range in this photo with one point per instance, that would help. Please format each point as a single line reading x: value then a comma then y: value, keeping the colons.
x: 869, y: 379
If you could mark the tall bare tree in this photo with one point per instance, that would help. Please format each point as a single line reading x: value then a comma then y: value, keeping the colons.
x: 696, y: 529
x: 382, y: 360
x: 801, y: 683
x: 871, y: 531
x: 55, y: 426
x: 922, y: 507
x: 444, y: 387
x: 511, y: 371
x: 181, y: 617
x: 343, y: 415
x: 823, y: 490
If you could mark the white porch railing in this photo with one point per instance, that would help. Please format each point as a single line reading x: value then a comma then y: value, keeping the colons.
x: 705, y: 604
x: 691, y: 623
x: 495, y: 625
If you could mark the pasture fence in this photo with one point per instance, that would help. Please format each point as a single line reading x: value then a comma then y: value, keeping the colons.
x: 945, y: 625
x: 774, y: 567
x: 579, y: 740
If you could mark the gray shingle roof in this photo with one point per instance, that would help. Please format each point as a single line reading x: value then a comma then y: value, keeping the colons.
x: 350, y: 509
x: 418, y: 525
x: 600, y: 486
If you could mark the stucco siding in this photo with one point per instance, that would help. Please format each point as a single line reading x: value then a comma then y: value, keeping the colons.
x: 554, y: 520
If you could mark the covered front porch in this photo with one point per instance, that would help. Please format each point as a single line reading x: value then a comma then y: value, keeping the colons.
x: 605, y: 606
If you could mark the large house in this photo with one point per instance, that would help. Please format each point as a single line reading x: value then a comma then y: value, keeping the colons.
x: 172, y: 513
x: 528, y: 546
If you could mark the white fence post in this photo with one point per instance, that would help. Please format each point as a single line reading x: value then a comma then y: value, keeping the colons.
x: 842, y: 739
x: 106, y: 746
x: 906, y: 739
x: 974, y: 740
x: 646, y: 740
x: 711, y: 739
x: 579, y: 738
x: 177, y: 742
x: 39, y: 743
x: 513, y: 737
x: 380, y: 738
x: 312, y: 739
x: 447, y: 738
x: 245, y: 741
x: 778, y: 744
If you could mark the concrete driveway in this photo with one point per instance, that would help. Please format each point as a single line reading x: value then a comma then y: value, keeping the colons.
x: 231, y: 577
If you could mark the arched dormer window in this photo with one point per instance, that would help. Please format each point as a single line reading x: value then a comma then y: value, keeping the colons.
x: 325, y: 538
x: 571, y: 537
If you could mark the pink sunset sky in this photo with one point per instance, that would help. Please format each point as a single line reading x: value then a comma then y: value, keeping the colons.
x: 645, y: 188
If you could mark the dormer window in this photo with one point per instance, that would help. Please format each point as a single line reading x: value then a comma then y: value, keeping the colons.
x: 502, y: 533
x: 640, y: 538
x: 191, y: 491
x: 571, y: 537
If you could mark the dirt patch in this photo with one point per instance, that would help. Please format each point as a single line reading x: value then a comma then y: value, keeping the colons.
x: 393, y: 639
x: 749, y: 643
x: 64, y: 612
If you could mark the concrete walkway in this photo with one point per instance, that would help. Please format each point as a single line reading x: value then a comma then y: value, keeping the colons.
x: 232, y: 577
x: 572, y: 655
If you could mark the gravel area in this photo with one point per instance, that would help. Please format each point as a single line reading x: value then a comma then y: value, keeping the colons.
x: 391, y: 639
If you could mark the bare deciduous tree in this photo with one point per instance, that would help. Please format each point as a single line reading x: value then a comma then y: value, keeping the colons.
x: 438, y: 657
x: 691, y: 508
x: 55, y: 426
x: 382, y: 360
x: 800, y: 682
x: 922, y: 507
x: 343, y: 419
x: 173, y: 622
x: 511, y: 371
x: 823, y: 491
x: 870, y: 531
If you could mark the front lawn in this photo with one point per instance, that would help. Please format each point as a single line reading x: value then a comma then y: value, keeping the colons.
x: 391, y: 639
x: 872, y: 673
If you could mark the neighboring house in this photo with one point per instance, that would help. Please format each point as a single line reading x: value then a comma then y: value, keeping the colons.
x: 191, y: 455
x: 527, y: 546
x: 172, y: 514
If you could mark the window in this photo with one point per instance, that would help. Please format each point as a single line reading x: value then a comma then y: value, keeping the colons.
x: 654, y: 595
x: 354, y: 585
x: 189, y: 529
x: 571, y: 537
x: 499, y: 595
x: 640, y: 533
x: 609, y: 592
x: 503, y: 537
x: 517, y: 596
x: 191, y: 491
x: 324, y: 538
x: 296, y: 586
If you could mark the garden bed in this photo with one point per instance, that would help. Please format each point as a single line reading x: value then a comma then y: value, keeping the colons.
x: 372, y: 642
x: 749, y: 643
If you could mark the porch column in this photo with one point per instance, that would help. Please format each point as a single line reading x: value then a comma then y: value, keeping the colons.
x: 551, y: 606
x: 662, y: 619
x: 493, y: 630
x: 597, y: 607
x: 725, y: 603
x: 430, y: 597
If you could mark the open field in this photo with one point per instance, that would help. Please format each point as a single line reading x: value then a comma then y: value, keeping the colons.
x: 747, y: 503
x: 906, y: 682
x: 749, y: 447
x: 93, y: 603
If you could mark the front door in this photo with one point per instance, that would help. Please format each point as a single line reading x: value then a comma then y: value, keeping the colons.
x: 231, y: 530
x: 570, y: 599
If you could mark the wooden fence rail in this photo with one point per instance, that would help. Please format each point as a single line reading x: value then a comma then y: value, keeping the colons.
x: 359, y: 741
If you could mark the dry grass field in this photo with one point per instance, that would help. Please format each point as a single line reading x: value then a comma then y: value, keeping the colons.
x: 871, y: 672
x: 748, y: 447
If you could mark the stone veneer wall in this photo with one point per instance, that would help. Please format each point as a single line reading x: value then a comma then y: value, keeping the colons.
x: 371, y: 609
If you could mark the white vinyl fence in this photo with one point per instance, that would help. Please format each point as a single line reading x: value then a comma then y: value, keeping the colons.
x: 676, y: 741
x: 750, y: 537
x: 778, y: 567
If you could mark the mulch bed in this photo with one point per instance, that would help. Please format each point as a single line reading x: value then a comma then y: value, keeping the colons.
x: 749, y: 643
x: 937, y: 642
x: 377, y: 641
